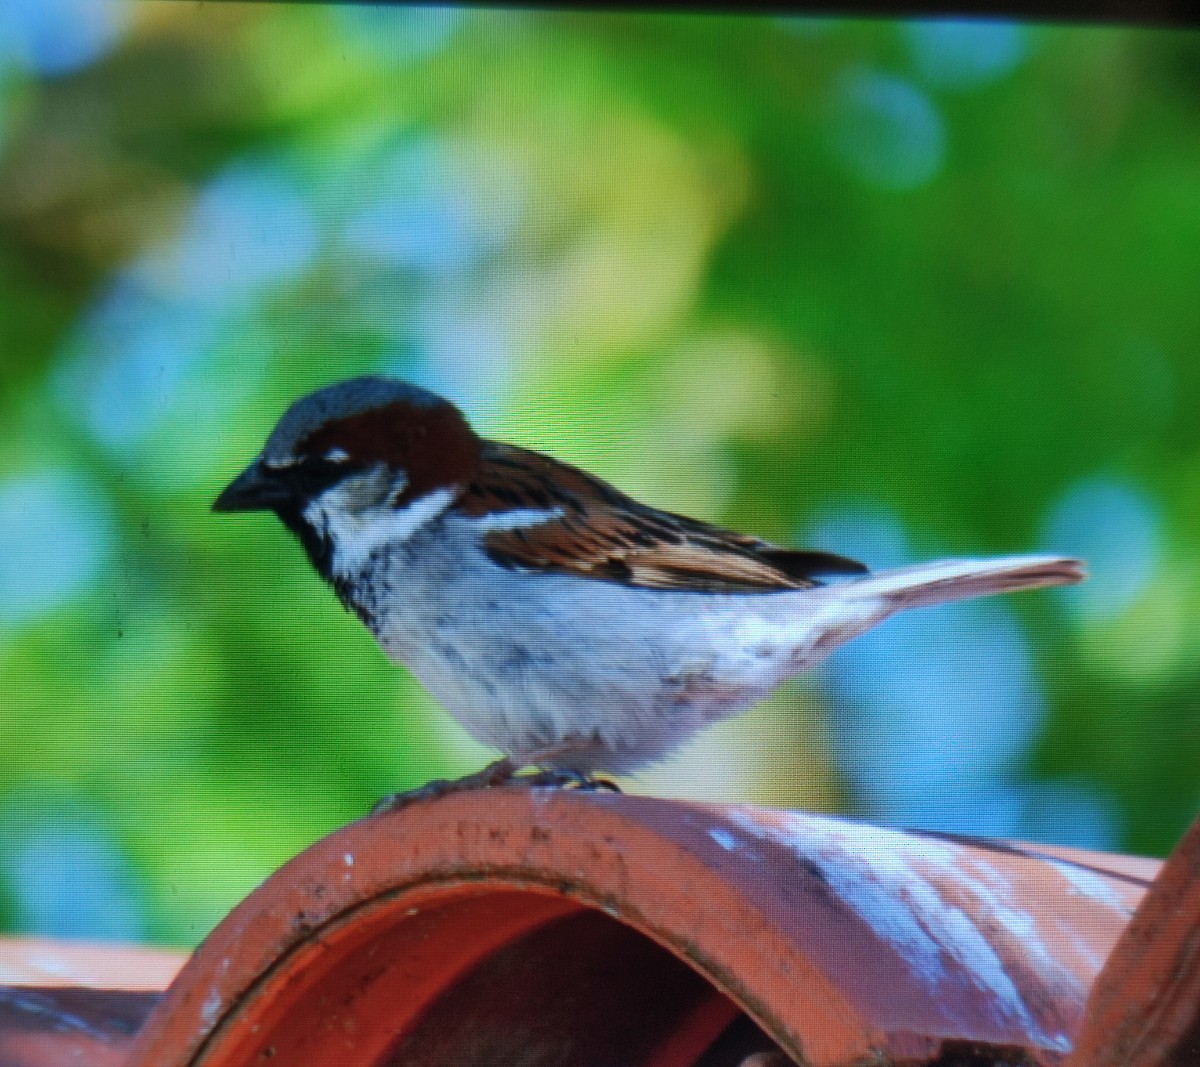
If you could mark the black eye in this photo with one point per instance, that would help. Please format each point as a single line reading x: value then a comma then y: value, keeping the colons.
x: 313, y: 473
x: 333, y: 459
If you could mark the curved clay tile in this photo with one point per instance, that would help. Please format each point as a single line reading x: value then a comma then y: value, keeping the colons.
x: 547, y: 928
x: 1144, y: 1009
x: 66, y: 1004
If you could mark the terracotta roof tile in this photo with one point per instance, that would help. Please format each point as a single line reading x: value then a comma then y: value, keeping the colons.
x: 554, y: 928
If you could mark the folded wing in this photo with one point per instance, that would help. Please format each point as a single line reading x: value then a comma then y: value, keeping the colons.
x: 543, y: 515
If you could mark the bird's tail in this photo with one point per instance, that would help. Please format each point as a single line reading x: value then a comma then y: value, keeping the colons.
x: 959, y: 579
x: 838, y: 612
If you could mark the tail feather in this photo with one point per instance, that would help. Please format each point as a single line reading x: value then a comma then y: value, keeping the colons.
x: 959, y: 579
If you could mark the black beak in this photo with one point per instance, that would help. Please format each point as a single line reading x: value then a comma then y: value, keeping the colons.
x: 257, y: 488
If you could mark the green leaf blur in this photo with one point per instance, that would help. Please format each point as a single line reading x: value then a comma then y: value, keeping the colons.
x: 757, y: 270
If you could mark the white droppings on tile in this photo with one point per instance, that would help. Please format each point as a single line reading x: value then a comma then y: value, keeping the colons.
x: 724, y: 838
x: 867, y: 871
x: 211, y: 1008
x: 890, y: 880
x: 981, y: 961
x: 1092, y: 885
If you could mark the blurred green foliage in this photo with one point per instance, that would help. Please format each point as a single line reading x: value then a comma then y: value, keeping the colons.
x: 763, y: 271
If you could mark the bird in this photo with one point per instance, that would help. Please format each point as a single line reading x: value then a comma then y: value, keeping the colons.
x: 575, y: 630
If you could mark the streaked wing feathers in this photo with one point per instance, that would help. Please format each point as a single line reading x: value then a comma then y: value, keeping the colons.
x: 595, y: 531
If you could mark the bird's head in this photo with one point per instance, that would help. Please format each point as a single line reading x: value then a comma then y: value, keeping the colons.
x: 357, y: 465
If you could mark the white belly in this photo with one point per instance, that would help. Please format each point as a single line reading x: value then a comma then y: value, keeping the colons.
x: 611, y: 676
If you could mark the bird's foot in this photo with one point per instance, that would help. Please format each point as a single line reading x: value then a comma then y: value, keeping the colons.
x: 566, y: 779
x: 494, y: 774
x: 502, y: 772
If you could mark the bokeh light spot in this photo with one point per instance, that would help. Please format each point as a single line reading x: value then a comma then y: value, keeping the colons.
x: 55, y: 37
x: 68, y: 879
x: 400, y: 35
x: 467, y: 358
x: 961, y: 53
x: 886, y: 132
x: 1116, y: 528
x: 251, y: 226
x: 56, y: 533
x: 130, y: 359
x: 428, y: 214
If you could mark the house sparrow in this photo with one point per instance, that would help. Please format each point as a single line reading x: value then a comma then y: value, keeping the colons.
x: 557, y: 619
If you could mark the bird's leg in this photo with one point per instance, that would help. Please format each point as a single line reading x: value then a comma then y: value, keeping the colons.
x: 564, y: 777
x: 494, y: 774
x: 503, y: 772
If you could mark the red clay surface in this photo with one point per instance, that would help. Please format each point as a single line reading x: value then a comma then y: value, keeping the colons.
x: 1144, y: 1009
x: 844, y: 943
x: 76, y: 1004
x: 559, y: 929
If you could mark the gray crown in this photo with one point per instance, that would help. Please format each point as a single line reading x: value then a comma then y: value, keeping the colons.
x: 337, y: 402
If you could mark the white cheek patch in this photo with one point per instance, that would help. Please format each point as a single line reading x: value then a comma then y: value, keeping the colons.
x: 357, y: 534
x: 517, y: 519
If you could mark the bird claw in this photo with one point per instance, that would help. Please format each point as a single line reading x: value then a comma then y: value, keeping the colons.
x: 492, y: 775
x: 566, y: 779
x: 393, y: 802
x: 502, y: 772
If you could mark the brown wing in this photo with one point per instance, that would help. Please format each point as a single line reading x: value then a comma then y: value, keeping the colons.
x: 602, y: 533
